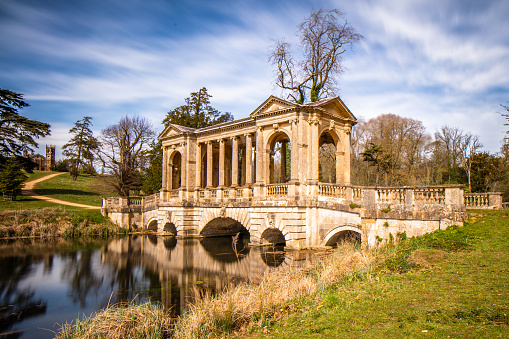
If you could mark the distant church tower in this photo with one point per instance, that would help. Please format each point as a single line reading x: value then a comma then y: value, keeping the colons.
x: 50, y: 158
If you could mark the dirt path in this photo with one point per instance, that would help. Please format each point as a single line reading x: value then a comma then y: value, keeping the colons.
x: 28, y: 190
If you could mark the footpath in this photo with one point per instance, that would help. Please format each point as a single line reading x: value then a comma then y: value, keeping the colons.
x: 28, y: 191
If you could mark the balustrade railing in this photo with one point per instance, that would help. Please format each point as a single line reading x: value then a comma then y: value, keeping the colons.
x: 484, y: 200
x: 173, y: 194
x: 277, y: 190
x: 391, y: 195
x: 332, y: 190
x: 429, y: 195
x: 239, y: 193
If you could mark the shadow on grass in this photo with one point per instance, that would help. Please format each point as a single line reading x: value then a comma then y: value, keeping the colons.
x: 56, y: 191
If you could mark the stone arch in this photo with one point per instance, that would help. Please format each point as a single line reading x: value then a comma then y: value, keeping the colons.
x: 169, y: 227
x: 175, y: 165
x: 239, y: 214
x: 328, y: 143
x: 278, y: 164
x: 223, y: 226
x: 273, y: 236
x: 342, y: 233
x: 152, y: 225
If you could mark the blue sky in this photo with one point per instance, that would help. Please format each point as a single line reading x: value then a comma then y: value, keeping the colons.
x: 439, y: 61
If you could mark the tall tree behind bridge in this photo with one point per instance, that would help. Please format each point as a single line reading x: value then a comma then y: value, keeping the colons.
x: 402, y: 140
x: 324, y: 38
x: 123, y: 150
x: 81, y: 147
x: 196, y: 112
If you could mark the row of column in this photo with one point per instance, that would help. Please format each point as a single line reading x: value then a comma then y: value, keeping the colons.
x: 222, y: 161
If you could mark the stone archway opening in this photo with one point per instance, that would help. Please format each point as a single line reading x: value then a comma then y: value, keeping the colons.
x: 345, y: 237
x: 169, y: 227
x: 176, y: 170
x: 152, y: 226
x: 222, y: 227
x: 279, y: 158
x: 327, y: 146
x: 273, y: 236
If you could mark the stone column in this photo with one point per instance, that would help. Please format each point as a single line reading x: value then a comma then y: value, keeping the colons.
x: 283, y: 162
x: 209, y: 164
x: 314, y: 151
x: 197, y: 181
x: 249, y: 159
x: 243, y: 167
x: 260, y: 155
x: 184, y: 162
x: 235, y: 161
x: 221, y: 162
x: 165, y: 169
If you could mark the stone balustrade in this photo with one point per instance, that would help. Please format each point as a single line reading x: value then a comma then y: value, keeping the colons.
x: 492, y: 200
x: 369, y: 198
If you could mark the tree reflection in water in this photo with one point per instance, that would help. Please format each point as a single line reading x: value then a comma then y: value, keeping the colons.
x: 17, y: 304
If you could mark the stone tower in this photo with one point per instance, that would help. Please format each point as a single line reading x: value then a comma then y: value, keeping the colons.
x: 50, y: 158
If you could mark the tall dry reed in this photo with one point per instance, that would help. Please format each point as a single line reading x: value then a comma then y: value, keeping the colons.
x: 121, y: 321
x: 247, y: 303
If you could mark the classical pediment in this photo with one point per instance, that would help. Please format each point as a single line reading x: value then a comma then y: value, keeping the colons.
x: 273, y: 104
x: 174, y: 130
x: 336, y: 107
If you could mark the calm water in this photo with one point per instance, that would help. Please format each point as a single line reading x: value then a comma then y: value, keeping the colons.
x: 44, y: 284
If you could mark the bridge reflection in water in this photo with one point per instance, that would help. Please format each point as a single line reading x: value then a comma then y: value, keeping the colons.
x: 178, y: 268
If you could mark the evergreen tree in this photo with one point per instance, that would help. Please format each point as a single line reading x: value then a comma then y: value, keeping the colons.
x: 152, y: 176
x: 11, y: 178
x: 197, y: 112
x: 81, y: 147
x: 17, y: 133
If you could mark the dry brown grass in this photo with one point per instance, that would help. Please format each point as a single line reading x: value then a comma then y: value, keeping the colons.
x: 121, y: 321
x: 240, y: 305
x: 50, y: 222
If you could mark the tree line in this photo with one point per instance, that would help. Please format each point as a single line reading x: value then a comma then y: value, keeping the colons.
x: 391, y: 150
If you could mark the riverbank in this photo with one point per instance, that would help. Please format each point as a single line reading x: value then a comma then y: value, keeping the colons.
x: 452, y: 283
x: 55, y: 222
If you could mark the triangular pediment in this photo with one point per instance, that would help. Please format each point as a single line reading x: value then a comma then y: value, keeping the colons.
x: 174, y: 130
x: 336, y: 107
x: 273, y: 104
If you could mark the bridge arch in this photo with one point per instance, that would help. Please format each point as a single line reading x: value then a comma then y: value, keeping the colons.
x: 273, y: 236
x: 169, y: 227
x: 278, y: 169
x: 152, y: 224
x: 239, y: 214
x: 342, y: 233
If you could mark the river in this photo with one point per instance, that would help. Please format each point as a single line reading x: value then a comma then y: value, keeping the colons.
x: 45, y: 283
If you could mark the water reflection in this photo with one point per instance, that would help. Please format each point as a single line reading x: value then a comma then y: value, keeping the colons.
x: 44, y: 283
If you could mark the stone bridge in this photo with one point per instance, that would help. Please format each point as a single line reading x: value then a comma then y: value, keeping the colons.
x: 283, y: 176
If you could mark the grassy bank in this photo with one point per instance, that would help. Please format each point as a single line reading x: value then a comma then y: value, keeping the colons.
x: 30, y: 217
x: 55, y: 221
x: 86, y: 189
x: 451, y: 283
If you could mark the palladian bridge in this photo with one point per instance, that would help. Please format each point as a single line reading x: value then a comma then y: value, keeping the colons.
x: 266, y: 175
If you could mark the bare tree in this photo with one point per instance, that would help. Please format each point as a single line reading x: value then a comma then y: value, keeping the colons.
x: 324, y: 37
x: 123, y: 148
x: 470, y: 144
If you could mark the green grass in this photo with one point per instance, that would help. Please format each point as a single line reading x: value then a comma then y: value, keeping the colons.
x: 86, y: 189
x: 447, y: 284
x: 38, y: 174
